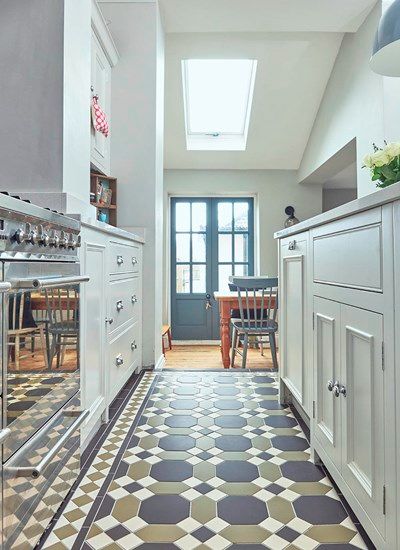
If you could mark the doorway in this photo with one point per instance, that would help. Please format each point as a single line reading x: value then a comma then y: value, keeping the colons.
x: 211, y: 239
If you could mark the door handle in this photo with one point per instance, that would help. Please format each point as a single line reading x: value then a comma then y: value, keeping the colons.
x: 208, y: 301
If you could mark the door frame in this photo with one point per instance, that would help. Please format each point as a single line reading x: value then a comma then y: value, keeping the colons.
x: 168, y: 237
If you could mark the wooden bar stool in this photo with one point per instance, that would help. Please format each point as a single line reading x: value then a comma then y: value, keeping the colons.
x: 166, y: 333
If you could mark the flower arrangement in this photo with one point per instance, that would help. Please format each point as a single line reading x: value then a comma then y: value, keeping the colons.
x: 384, y: 164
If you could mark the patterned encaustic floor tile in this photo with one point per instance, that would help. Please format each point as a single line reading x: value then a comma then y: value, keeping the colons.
x: 203, y: 461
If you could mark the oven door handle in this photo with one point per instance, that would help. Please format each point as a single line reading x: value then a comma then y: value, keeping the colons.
x: 50, y: 282
x: 4, y: 434
x: 37, y: 471
x: 4, y: 287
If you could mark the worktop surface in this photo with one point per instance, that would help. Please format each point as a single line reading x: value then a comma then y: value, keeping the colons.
x: 380, y: 197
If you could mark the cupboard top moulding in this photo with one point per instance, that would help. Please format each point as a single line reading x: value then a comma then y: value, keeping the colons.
x: 103, y: 35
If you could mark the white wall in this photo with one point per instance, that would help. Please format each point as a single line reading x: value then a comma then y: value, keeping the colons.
x: 352, y: 106
x: 274, y: 190
x: 137, y: 145
x: 44, y: 98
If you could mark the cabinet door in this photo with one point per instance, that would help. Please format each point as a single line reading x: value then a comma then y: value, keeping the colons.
x: 292, y: 317
x: 93, y: 334
x: 363, y: 409
x: 101, y: 82
x: 327, y: 374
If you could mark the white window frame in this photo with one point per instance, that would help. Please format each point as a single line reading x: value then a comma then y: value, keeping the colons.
x: 196, y: 141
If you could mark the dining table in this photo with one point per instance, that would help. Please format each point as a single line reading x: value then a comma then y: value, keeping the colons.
x: 227, y: 302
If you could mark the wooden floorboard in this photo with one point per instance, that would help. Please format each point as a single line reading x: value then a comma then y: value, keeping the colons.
x: 209, y: 357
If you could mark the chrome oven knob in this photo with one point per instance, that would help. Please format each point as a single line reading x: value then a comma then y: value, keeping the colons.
x: 71, y: 242
x: 44, y: 239
x: 54, y: 240
x: 78, y: 242
x: 33, y: 237
x: 63, y: 242
x: 20, y: 236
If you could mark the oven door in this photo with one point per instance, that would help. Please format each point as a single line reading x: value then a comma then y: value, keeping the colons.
x: 41, y: 342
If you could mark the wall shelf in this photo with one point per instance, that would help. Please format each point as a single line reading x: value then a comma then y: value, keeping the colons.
x: 106, y: 182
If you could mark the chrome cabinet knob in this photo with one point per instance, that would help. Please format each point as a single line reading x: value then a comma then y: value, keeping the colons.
x: 343, y: 391
x: 292, y: 245
x: 134, y: 260
x: 330, y: 385
x: 119, y: 360
x: 120, y: 260
x: 109, y: 320
x: 134, y: 299
x: 119, y: 305
x: 336, y: 390
x: 133, y: 345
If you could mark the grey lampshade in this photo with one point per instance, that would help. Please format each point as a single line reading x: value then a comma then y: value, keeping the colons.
x: 385, y: 58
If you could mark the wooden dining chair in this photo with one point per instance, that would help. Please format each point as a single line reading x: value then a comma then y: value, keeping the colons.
x: 258, y: 305
x: 21, y: 327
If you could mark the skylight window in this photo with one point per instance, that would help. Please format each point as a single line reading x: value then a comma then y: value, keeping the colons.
x: 218, y: 95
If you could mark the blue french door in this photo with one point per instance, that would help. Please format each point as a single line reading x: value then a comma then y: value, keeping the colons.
x: 211, y: 239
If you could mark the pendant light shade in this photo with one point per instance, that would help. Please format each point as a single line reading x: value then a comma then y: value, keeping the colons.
x: 385, y: 58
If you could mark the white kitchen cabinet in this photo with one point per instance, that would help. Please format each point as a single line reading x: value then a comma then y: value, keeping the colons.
x: 351, y: 300
x: 327, y: 428
x: 104, y: 57
x: 111, y: 335
x: 93, y: 382
x: 293, y: 330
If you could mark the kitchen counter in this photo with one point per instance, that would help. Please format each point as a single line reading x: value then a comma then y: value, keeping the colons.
x: 107, y: 228
x: 380, y: 197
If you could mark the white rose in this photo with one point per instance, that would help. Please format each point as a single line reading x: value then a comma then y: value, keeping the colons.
x: 368, y: 161
x: 392, y: 150
x: 380, y: 158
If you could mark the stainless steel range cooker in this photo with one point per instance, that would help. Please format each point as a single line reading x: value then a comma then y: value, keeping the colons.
x: 40, y: 399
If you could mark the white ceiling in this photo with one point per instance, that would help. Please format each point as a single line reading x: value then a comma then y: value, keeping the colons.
x: 264, y: 15
x: 292, y: 73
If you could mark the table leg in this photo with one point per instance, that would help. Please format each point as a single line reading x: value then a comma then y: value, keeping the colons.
x: 225, y: 339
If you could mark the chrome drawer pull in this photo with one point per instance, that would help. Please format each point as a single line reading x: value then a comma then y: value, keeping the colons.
x: 119, y: 360
x: 133, y: 345
x: 119, y: 305
x: 37, y: 471
x: 134, y: 299
x: 4, y: 434
x: 109, y: 320
x: 292, y: 245
x: 134, y: 260
x: 120, y: 260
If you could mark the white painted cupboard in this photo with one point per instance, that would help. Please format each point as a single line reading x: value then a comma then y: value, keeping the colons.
x: 111, y: 318
x: 339, y: 346
x: 104, y: 57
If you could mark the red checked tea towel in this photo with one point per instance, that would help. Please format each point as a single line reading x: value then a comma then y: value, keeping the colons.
x: 99, y: 119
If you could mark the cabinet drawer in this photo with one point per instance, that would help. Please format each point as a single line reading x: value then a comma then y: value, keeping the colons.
x: 124, y: 301
x: 124, y: 258
x: 124, y: 353
x: 351, y: 257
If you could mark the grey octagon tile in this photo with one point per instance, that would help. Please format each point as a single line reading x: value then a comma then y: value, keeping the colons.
x: 177, y: 443
x: 184, y: 404
x: 180, y: 421
x: 302, y: 471
x: 230, y: 421
x: 228, y: 404
x: 319, y: 510
x: 233, y: 443
x: 280, y: 421
x: 164, y: 509
x: 242, y: 510
x: 289, y: 443
x: 231, y: 470
x: 171, y: 470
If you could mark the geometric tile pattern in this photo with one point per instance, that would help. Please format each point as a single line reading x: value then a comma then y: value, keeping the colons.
x: 205, y: 470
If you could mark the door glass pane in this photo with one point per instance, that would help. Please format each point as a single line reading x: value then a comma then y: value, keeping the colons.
x: 241, y: 247
x: 183, y: 247
x: 183, y: 279
x: 241, y: 211
x: 241, y: 269
x: 225, y: 248
x: 199, y: 278
x: 182, y: 216
x: 224, y: 272
x: 225, y: 216
x: 199, y: 216
x: 198, y: 247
